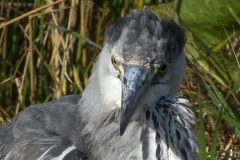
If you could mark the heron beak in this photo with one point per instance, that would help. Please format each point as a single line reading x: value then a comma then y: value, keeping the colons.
x: 135, y: 82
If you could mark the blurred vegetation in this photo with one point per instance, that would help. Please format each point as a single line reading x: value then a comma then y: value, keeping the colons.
x: 40, y: 62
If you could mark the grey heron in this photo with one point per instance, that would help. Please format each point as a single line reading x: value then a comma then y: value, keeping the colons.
x: 129, y: 110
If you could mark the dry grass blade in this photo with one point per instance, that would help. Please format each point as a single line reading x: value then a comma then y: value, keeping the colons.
x: 232, y: 48
x: 29, y: 13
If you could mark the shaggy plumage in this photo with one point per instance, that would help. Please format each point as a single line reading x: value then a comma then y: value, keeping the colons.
x: 129, y: 110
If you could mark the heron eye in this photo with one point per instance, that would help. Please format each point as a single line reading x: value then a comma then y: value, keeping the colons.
x: 114, y: 62
x: 164, y: 68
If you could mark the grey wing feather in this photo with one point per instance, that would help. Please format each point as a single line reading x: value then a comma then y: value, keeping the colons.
x: 44, y: 129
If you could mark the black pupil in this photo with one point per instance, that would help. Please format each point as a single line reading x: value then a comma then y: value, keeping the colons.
x: 164, y: 67
x: 114, y: 61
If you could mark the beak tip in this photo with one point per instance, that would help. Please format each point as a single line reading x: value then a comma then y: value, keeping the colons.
x: 122, y: 127
x: 121, y: 132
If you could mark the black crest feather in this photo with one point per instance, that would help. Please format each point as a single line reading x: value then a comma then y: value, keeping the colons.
x: 141, y: 34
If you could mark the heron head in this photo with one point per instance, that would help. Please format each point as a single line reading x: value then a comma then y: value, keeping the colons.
x: 148, y: 54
